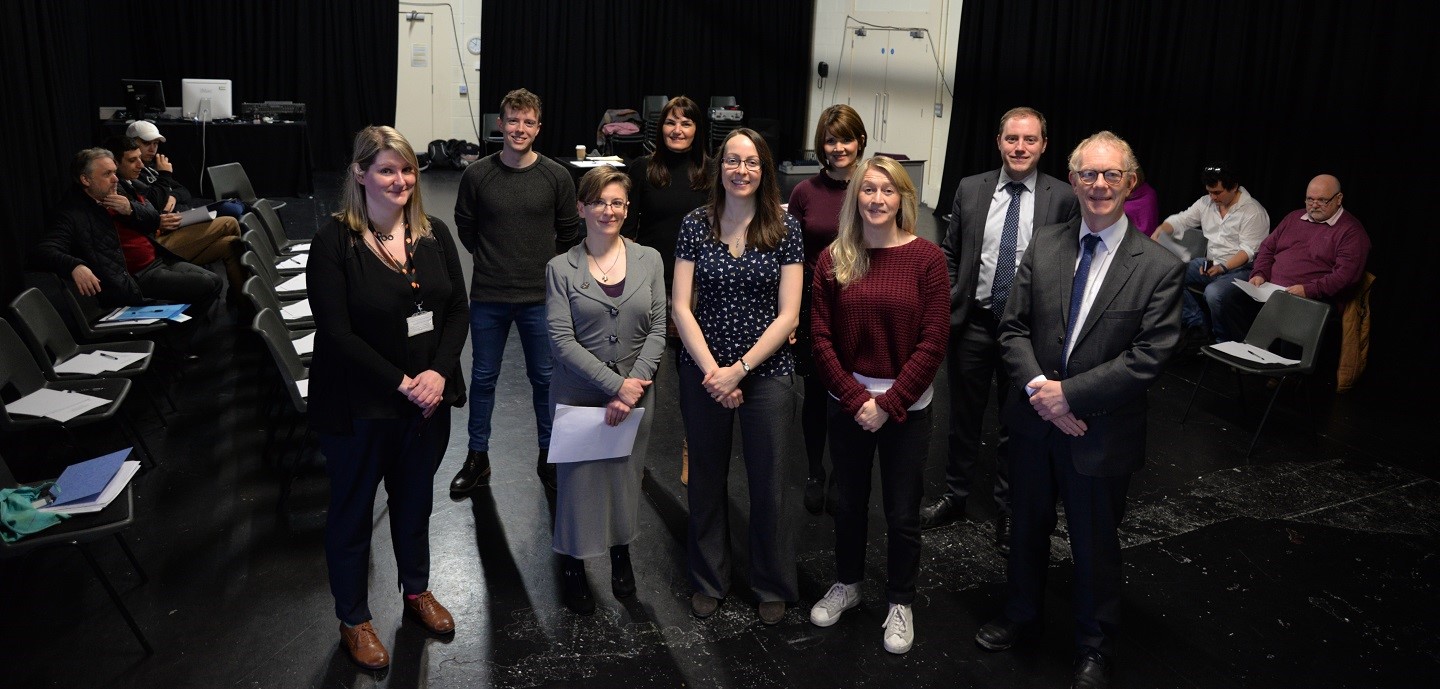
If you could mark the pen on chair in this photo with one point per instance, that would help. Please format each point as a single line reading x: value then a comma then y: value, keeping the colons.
x: 108, y: 355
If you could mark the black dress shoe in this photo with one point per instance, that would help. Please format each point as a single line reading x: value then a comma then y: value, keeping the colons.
x: 1001, y: 633
x: 575, y: 587
x: 546, y: 471
x: 1002, y: 533
x: 815, y: 494
x: 622, y: 575
x: 474, y: 472
x: 1092, y: 671
x: 941, y: 512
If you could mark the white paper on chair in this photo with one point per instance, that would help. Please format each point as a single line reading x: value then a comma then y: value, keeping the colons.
x: 97, y: 362
x: 580, y: 434
x: 1240, y: 350
x: 304, y: 386
x: 107, y: 496
x: 1262, y: 292
x: 300, y: 309
x: 296, y: 261
x: 55, y: 404
x: 295, y: 284
x: 303, y: 246
x: 304, y: 345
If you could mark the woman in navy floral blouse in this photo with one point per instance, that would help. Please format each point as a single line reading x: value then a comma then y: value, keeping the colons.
x: 741, y: 257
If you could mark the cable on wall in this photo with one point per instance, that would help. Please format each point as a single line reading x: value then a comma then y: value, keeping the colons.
x: 459, y: 61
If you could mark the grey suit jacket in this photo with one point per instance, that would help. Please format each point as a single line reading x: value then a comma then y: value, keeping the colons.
x: 1054, y: 203
x: 597, y: 342
x: 1129, y: 333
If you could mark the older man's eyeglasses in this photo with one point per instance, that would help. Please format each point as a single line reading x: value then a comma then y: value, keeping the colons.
x: 733, y: 163
x: 1112, y: 177
x: 599, y: 205
x: 1312, y: 201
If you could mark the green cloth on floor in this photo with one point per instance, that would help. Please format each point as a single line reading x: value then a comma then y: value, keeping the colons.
x: 18, y: 519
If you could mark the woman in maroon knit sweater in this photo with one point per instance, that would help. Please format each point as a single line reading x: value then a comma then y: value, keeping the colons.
x: 881, y: 322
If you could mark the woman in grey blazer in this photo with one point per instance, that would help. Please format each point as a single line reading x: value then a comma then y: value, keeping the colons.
x: 605, y: 305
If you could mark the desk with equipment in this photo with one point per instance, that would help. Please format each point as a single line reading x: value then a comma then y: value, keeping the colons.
x: 276, y: 156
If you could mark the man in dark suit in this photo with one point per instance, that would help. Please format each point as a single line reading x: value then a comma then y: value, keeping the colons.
x: 1079, y: 431
x: 994, y: 214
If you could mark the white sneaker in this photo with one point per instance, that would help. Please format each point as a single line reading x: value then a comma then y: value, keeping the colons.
x: 899, y: 629
x: 838, y: 599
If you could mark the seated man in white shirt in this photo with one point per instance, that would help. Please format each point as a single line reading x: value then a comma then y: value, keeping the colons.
x: 1233, y: 223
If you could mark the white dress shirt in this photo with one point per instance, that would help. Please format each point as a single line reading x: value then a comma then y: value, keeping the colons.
x: 1099, y: 266
x: 995, y: 226
x: 1242, y: 228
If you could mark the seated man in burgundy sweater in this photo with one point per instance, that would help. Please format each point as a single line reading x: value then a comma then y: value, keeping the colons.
x: 1317, y: 252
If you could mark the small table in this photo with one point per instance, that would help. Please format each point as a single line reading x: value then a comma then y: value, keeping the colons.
x: 578, y: 168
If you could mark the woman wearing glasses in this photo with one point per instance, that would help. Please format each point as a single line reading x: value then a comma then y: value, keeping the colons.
x: 605, y: 308
x: 839, y: 143
x: 740, y: 257
x: 666, y: 185
x: 881, y: 326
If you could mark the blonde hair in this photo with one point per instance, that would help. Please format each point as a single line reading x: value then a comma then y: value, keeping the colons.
x: 847, y: 253
x: 369, y: 143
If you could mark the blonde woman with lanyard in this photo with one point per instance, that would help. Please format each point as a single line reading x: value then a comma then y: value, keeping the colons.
x: 391, y: 316
x: 740, y: 256
x: 881, y: 323
x: 605, y: 311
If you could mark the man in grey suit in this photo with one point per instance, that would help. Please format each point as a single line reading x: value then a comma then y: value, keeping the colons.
x: 1093, y: 316
x: 994, y: 215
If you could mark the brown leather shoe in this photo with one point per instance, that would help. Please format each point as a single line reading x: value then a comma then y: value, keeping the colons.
x: 430, y: 613
x: 364, y: 646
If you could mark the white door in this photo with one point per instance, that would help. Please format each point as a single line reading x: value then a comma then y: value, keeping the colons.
x: 907, y: 102
x: 414, y: 85
x: 864, y: 79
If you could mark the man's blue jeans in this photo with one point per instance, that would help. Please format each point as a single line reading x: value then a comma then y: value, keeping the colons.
x: 489, y: 329
x: 1191, y: 314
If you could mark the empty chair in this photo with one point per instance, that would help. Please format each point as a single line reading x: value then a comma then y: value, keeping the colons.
x: 257, y: 241
x: 79, y: 531
x: 280, y: 240
x: 1286, y: 318
x: 262, y: 296
x: 490, y: 124
x: 20, y: 376
x: 229, y: 181
x: 294, y: 377
x: 651, y: 107
x: 265, y: 270
x: 722, y: 101
x: 86, y: 313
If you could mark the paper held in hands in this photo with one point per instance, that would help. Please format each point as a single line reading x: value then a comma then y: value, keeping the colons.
x: 195, y: 216
x: 1260, y: 293
x: 580, y: 434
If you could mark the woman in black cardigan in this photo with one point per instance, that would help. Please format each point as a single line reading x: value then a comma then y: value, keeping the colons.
x: 391, y: 316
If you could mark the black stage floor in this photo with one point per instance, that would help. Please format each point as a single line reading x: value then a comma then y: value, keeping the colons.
x: 1314, y: 565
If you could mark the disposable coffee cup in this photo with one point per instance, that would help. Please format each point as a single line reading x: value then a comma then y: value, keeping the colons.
x: 579, y: 152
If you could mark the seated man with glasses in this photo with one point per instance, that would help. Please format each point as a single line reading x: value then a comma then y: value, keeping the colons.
x: 1233, y: 223
x: 1317, y: 252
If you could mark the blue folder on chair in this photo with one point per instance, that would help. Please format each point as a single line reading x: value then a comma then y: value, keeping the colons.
x: 87, y: 479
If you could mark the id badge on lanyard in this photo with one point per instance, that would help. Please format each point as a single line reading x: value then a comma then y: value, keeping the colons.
x: 420, y: 322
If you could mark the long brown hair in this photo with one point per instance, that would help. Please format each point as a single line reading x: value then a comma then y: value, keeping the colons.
x: 658, y: 171
x: 768, y: 227
x: 369, y: 142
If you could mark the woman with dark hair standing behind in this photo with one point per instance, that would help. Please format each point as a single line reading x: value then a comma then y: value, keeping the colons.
x: 605, y: 309
x: 815, y: 202
x: 882, y: 323
x: 664, y: 187
x: 391, y: 315
x: 740, y: 257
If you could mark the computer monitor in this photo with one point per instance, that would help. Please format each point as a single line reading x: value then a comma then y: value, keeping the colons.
x: 143, y: 97
x: 206, y: 99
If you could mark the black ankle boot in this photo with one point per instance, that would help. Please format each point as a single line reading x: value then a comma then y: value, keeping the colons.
x: 575, y: 587
x: 546, y: 471
x: 622, y: 576
x: 475, y: 471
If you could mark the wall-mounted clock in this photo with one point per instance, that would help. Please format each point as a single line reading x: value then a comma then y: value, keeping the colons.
x: 473, y: 45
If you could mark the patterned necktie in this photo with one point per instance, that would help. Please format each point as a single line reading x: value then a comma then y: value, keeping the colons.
x: 1077, y: 291
x: 1005, y: 260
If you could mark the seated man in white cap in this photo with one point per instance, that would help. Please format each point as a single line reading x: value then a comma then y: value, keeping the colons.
x: 159, y: 175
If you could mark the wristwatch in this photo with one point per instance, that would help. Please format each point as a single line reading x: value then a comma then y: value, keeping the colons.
x: 745, y: 366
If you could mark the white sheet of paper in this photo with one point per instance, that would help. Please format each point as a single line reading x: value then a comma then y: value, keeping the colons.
x: 296, y: 261
x: 1166, y: 240
x: 55, y: 404
x: 590, y: 162
x: 303, y: 246
x: 115, y: 361
x: 295, y: 284
x: 304, y: 345
x: 300, y: 309
x: 579, y: 434
x: 196, y: 215
x: 1253, y: 353
x: 126, y: 324
x: 89, y: 363
x: 1261, y: 293
x: 304, y: 386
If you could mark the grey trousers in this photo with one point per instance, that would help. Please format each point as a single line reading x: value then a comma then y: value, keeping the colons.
x: 767, y: 428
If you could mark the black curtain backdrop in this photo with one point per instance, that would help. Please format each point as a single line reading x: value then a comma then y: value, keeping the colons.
x: 65, y: 58
x: 583, y: 58
x: 1284, y: 90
